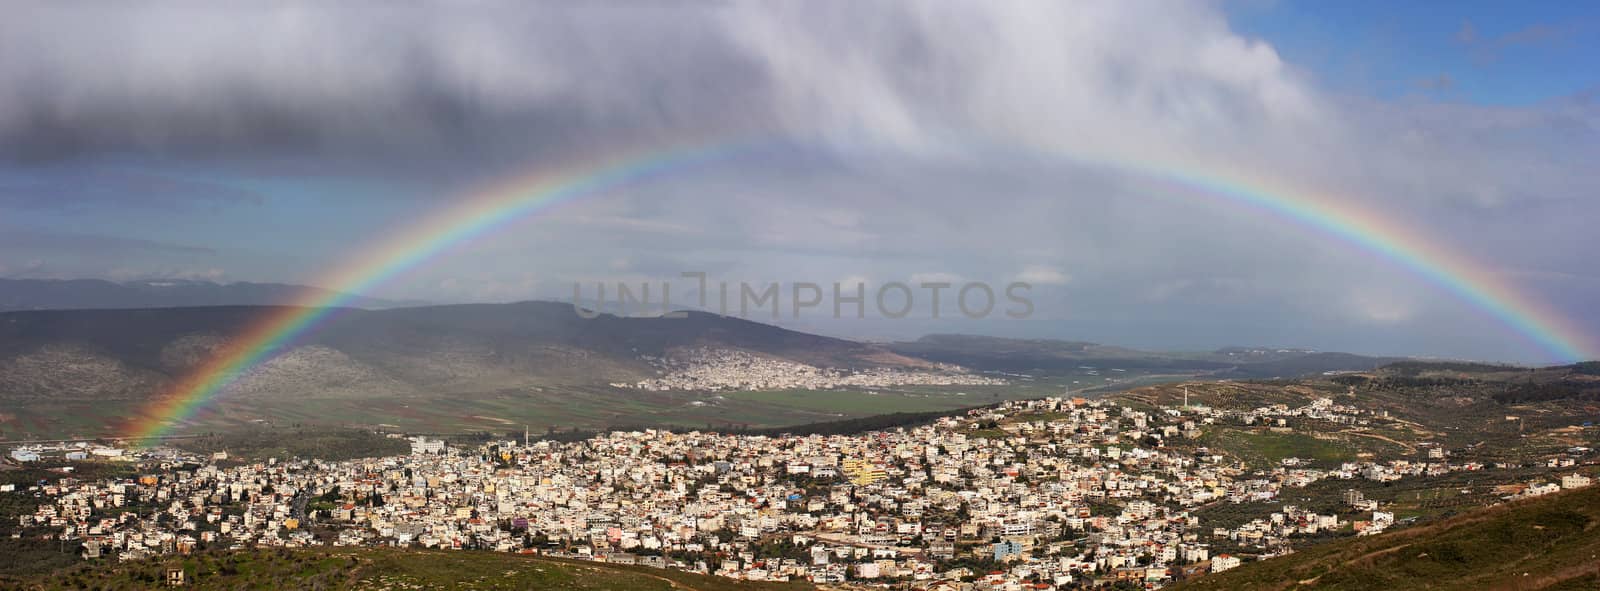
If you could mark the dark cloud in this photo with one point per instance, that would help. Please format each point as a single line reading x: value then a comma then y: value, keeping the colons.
x: 190, y: 78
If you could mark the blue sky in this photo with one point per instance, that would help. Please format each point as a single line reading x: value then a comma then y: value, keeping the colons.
x: 1505, y: 53
x: 918, y: 139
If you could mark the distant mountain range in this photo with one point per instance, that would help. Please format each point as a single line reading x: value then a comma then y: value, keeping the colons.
x: 97, y: 294
x: 1054, y: 356
x: 83, y: 355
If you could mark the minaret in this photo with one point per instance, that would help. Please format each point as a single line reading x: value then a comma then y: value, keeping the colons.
x: 524, y: 435
x: 1186, y: 397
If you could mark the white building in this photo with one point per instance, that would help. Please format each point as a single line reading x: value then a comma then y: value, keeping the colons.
x: 1224, y: 562
x: 423, y: 445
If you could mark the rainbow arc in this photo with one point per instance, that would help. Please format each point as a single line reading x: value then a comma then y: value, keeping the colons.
x: 530, y: 194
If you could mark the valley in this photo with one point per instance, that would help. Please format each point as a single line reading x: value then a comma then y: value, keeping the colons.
x: 502, y: 367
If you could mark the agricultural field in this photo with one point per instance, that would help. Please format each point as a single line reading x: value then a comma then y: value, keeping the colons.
x: 538, y: 408
x: 1264, y: 447
x: 259, y: 443
x: 65, y: 419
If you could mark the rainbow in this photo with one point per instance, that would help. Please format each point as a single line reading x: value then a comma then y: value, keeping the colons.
x: 473, y: 215
x: 1408, y: 247
x: 481, y: 212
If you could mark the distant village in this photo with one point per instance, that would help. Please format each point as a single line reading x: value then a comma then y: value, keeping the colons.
x: 705, y: 369
x: 1045, y: 494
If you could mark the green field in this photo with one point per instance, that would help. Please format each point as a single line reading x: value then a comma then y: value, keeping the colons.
x: 1261, y: 447
x: 562, y: 407
x: 257, y: 443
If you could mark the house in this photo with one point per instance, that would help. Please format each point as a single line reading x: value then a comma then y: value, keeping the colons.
x: 1540, y: 489
x: 1007, y: 550
x: 1224, y: 562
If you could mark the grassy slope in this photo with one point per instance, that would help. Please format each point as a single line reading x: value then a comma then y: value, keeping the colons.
x: 1547, y: 543
x: 1263, y: 447
x: 382, y: 568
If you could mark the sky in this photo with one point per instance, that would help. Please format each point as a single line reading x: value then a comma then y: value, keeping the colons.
x: 910, y: 142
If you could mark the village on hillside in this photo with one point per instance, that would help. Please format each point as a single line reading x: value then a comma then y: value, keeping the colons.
x: 1052, y: 493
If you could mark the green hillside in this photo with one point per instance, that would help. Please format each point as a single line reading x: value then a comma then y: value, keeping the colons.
x: 380, y: 568
x: 454, y: 369
x: 1550, y: 543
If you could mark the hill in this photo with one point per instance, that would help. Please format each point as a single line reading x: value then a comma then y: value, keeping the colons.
x: 91, y: 294
x: 1309, y: 363
x: 1550, y: 542
x: 1488, y: 414
x: 1051, y: 356
x: 101, y: 354
x: 434, y: 368
x: 385, y: 568
x: 1040, y: 355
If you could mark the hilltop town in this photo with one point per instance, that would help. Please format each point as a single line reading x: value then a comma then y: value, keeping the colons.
x: 1055, y: 493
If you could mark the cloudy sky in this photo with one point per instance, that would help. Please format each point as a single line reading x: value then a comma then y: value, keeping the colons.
x: 878, y: 142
